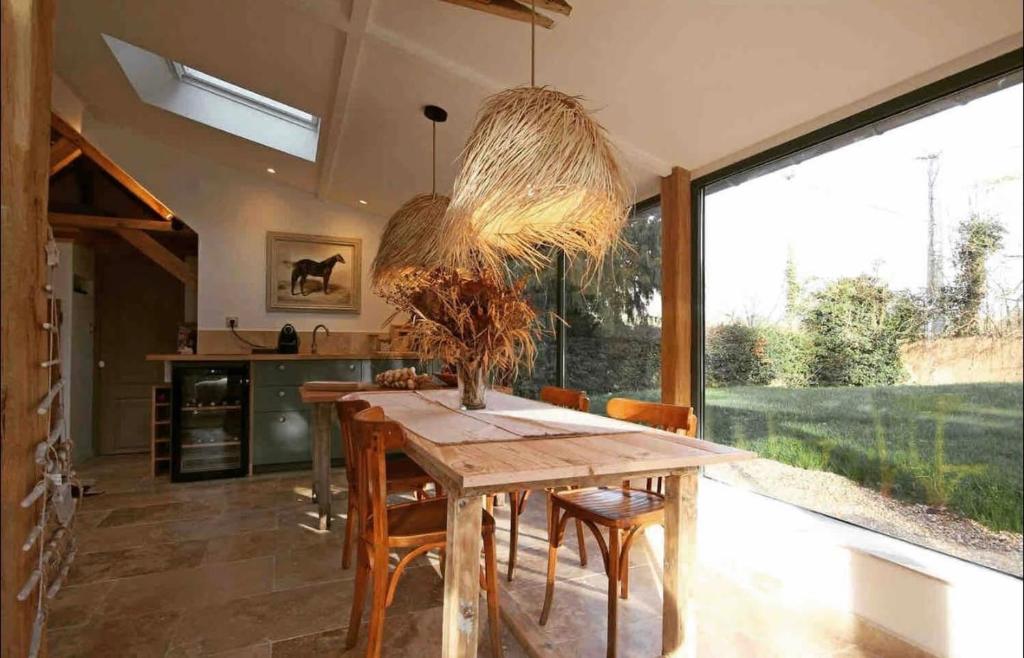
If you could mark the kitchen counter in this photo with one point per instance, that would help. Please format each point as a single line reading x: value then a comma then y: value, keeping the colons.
x: 306, y: 356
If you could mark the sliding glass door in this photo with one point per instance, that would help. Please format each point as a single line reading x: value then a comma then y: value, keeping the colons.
x: 862, y: 325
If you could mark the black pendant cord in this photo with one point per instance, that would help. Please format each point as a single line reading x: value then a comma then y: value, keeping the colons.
x: 533, y: 43
x: 433, y: 158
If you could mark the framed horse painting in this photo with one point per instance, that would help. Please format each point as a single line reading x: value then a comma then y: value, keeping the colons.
x: 313, y: 273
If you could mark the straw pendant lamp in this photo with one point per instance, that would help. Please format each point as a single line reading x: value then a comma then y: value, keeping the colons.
x: 407, y: 244
x: 537, y: 172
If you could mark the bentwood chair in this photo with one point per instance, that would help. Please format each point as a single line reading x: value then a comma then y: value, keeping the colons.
x: 403, y: 474
x: 625, y: 512
x: 567, y: 398
x: 416, y: 527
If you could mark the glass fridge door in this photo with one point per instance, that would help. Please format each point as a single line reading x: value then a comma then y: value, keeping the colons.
x: 211, y: 433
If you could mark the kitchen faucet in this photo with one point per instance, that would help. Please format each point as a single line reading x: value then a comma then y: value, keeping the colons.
x: 319, y: 326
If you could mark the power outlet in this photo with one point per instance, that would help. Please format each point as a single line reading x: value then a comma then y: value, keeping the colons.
x: 231, y: 321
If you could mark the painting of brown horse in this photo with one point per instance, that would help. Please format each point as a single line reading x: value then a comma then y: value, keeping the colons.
x: 312, y: 273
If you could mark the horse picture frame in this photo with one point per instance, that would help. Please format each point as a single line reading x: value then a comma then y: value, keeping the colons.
x: 316, y: 273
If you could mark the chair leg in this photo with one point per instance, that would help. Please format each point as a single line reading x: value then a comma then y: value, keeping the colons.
x: 582, y: 542
x: 350, y: 524
x: 624, y: 571
x: 613, y: 587
x: 553, y: 541
x: 358, y: 598
x: 491, y: 581
x: 513, y: 532
x: 378, y: 606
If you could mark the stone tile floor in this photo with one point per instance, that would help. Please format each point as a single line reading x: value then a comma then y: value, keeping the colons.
x: 236, y: 568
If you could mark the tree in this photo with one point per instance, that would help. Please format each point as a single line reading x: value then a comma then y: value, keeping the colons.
x: 977, y: 240
x: 793, y: 289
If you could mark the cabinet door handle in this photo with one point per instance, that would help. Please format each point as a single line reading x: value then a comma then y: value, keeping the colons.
x: 280, y: 394
x: 281, y: 419
x: 351, y: 366
x: 280, y: 366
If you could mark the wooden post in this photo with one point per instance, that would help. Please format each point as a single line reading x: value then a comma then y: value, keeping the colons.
x: 680, y: 557
x: 461, y: 620
x: 27, y: 68
x: 676, y: 281
x: 321, y: 454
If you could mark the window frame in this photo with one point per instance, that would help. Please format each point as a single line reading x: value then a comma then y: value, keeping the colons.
x: 1005, y: 65
x: 187, y: 75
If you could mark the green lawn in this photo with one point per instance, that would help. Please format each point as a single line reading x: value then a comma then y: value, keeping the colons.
x: 957, y: 446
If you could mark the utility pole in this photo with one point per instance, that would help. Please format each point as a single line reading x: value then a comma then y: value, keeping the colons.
x: 933, y: 280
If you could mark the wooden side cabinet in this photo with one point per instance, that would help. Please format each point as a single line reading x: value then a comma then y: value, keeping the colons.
x: 160, y: 432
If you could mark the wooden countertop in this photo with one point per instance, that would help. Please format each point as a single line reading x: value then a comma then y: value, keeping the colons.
x: 280, y: 357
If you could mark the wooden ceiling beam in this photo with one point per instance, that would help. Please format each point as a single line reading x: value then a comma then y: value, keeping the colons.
x: 158, y: 253
x: 506, y: 9
x: 557, y: 6
x: 69, y: 220
x: 111, y: 167
x: 62, y: 153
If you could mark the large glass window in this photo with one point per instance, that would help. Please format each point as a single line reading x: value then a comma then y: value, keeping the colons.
x: 863, y: 327
x: 613, y: 317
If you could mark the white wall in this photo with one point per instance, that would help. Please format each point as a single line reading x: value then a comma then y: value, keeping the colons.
x: 232, y: 212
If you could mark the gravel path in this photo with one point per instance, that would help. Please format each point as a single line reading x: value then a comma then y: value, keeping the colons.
x: 837, y: 496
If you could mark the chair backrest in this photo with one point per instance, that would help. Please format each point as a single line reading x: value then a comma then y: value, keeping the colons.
x: 569, y: 398
x: 669, y: 417
x: 372, y: 436
x: 346, y: 410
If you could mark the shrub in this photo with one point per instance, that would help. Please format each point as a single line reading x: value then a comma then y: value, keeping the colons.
x: 856, y: 326
x: 737, y: 355
x: 756, y: 355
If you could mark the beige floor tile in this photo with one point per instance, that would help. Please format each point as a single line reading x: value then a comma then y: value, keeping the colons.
x: 121, y: 563
x: 127, y: 536
x: 205, y: 585
x: 78, y: 605
x: 273, y: 616
x: 144, y: 635
x: 172, y: 511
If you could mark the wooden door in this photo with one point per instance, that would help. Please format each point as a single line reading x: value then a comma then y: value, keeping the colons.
x: 138, y: 309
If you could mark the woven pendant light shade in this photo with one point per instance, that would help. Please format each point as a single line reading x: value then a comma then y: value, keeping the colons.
x: 406, y: 246
x: 537, y: 172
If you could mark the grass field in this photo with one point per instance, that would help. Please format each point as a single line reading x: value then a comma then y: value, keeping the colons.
x: 957, y: 446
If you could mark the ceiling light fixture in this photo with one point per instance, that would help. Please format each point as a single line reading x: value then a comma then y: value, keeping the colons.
x: 362, y: 202
x: 537, y: 172
x: 405, y: 245
x: 271, y: 170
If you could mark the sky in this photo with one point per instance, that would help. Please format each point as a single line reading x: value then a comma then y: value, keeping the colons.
x: 863, y: 209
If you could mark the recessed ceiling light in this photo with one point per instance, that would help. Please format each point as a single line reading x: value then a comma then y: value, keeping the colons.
x: 362, y: 203
x: 271, y: 170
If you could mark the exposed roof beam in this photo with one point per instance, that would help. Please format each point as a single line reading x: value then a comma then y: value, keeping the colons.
x: 62, y: 153
x: 506, y: 9
x: 69, y: 220
x: 109, y: 166
x: 158, y: 253
x: 335, y: 125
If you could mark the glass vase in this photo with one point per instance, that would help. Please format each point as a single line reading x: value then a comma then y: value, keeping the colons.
x: 472, y: 383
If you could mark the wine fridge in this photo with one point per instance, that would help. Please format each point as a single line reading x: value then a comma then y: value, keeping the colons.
x: 209, y: 428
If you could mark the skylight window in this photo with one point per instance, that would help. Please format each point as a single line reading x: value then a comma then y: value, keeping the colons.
x: 192, y: 76
x: 217, y: 103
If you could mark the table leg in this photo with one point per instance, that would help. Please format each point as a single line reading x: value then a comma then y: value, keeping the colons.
x: 322, y: 461
x: 680, y: 556
x: 462, y: 578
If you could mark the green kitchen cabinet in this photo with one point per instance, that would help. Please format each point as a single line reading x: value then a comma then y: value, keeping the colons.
x: 282, y: 423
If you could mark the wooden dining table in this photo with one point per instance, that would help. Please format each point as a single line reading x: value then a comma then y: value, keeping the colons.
x: 517, y: 444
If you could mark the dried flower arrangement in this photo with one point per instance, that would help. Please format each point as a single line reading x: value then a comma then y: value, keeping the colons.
x: 479, y: 321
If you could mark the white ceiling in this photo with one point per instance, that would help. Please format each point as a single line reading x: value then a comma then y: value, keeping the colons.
x: 675, y: 82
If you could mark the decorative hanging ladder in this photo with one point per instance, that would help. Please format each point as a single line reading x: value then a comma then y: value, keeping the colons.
x: 52, y: 537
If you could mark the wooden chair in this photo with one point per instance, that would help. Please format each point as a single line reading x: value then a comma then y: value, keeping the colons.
x: 417, y: 526
x: 403, y: 474
x: 561, y: 397
x: 625, y: 512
